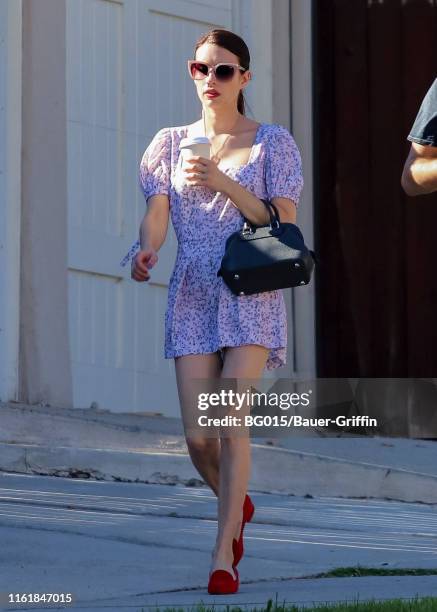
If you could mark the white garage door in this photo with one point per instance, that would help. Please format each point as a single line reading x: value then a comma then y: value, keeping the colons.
x: 126, y: 78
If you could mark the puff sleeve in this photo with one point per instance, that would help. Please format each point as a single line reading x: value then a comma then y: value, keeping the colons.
x: 283, y: 169
x: 155, y: 165
x: 154, y: 175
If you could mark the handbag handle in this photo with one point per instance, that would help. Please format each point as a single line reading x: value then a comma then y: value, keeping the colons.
x: 274, y: 217
x: 248, y: 225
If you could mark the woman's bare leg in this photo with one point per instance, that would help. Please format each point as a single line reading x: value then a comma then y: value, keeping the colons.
x: 204, y: 452
x: 247, y: 361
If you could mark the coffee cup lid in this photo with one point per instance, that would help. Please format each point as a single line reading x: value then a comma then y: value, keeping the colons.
x: 189, y: 142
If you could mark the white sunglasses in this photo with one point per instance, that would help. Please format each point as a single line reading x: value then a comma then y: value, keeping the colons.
x: 222, y: 72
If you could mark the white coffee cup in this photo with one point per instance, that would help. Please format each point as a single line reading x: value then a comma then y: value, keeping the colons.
x: 193, y: 147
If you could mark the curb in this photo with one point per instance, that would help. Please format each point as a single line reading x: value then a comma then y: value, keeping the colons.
x: 273, y: 470
x: 324, y: 476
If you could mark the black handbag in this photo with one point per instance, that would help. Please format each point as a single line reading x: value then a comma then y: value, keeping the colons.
x: 266, y: 257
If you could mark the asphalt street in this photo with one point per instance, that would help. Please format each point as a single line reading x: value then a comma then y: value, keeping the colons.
x: 127, y: 546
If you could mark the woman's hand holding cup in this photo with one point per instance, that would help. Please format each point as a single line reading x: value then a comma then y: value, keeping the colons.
x: 205, y: 172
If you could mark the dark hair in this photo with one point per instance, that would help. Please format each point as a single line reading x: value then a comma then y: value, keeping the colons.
x: 233, y: 43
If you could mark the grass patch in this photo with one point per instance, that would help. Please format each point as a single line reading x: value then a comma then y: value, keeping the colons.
x: 425, y: 604
x: 344, y: 572
x: 416, y: 604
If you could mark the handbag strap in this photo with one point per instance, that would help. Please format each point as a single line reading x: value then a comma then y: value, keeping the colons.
x: 274, y: 216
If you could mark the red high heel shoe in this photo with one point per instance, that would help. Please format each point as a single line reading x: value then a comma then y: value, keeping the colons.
x: 222, y: 582
x: 237, y: 546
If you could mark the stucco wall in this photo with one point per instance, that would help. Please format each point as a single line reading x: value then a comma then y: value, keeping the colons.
x: 45, y: 374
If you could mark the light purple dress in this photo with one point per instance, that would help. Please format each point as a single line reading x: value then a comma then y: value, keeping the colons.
x: 202, y: 314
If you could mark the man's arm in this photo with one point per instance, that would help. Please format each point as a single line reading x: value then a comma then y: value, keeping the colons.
x: 420, y: 171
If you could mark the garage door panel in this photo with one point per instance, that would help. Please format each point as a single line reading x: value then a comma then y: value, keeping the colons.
x: 126, y: 79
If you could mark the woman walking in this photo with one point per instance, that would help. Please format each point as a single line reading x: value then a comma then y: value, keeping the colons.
x: 210, y: 332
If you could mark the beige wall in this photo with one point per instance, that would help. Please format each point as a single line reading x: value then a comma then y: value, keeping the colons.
x: 304, y: 298
x: 280, y: 63
x: 280, y: 68
x: 10, y: 210
x: 44, y: 373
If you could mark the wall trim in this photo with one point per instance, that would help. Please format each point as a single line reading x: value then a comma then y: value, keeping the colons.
x: 10, y: 197
x: 302, y: 127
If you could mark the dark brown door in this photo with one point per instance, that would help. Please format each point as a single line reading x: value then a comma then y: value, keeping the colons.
x: 377, y: 281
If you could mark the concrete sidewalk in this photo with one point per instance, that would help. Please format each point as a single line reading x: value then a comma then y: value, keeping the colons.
x: 152, y: 449
x: 125, y: 546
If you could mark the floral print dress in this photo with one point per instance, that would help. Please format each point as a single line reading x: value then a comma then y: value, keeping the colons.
x: 202, y: 314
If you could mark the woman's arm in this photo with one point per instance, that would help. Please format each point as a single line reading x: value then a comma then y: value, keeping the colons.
x: 255, y: 210
x: 154, y: 226
x: 203, y: 171
x: 420, y: 171
x: 153, y: 230
x: 249, y: 205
